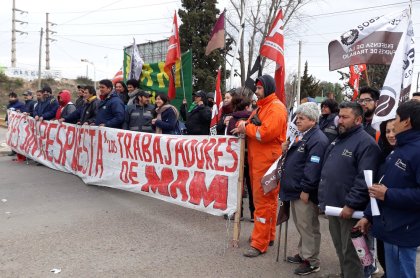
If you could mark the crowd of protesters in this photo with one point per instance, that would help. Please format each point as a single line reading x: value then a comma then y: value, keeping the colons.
x: 324, y: 165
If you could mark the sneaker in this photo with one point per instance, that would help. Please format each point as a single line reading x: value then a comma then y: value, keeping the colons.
x: 252, y: 252
x: 306, y: 268
x: 296, y: 259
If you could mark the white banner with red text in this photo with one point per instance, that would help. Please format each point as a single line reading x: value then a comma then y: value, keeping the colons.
x: 198, y: 172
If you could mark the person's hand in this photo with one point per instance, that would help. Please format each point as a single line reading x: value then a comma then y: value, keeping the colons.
x: 184, y: 101
x: 36, y: 118
x: 304, y: 197
x: 240, y: 128
x: 285, y: 146
x: 227, y: 119
x: 378, y: 191
x: 61, y: 120
x: 346, y: 213
x: 41, y: 119
x: 154, y: 121
x: 200, y: 102
x: 25, y: 113
x: 103, y: 125
x: 363, y: 224
x: 85, y: 123
x: 92, y: 124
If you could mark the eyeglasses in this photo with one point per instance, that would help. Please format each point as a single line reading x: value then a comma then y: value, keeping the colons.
x: 364, y: 101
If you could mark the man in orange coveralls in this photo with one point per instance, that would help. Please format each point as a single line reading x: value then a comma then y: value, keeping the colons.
x: 265, y: 131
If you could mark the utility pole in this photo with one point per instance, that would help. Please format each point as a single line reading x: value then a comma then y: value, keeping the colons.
x: 14, y: 31
x: 299, y: 78
x: 40, y: 58
x: 47, y: 41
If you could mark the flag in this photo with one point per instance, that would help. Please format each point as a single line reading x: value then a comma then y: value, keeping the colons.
x: 273, y: 49
x: 136, y: 62
x: 397, y: 85
x: 217, y: 106
x: 217, y: 37
x: 154, y: 79
x: 354, y: 79
x: 383, y: 40
x: 250, y: 82
x: 172, y: 56
x: 118, y: 76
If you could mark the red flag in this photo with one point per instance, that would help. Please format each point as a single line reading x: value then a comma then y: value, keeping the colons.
x: 217, y: 37
x: 273, y: 49
x: 173, y: 55
x: 118, y: 76
x: 354, y: 79
x: 217, y: 106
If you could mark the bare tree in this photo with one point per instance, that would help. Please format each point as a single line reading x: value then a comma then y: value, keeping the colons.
x: 258, y: 19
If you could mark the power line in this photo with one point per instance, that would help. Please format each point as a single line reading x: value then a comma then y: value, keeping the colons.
x: 91, y: 44
x: 114, y: 35
x: 89, y: 12
x: 117, y: 22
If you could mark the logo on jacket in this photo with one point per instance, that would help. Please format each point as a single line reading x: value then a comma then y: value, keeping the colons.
x: 401, y: 164
x: 347, y: 153
x: 315, y: 159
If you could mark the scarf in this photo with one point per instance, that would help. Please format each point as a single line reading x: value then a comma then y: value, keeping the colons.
x: 159, y: 112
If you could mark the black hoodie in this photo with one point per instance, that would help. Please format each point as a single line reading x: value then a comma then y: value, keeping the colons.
x: 268, y: 83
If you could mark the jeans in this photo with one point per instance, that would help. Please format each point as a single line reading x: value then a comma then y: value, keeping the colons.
x: 400, y: 261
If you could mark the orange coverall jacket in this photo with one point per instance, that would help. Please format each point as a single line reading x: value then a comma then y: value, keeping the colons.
x: 264, y: 147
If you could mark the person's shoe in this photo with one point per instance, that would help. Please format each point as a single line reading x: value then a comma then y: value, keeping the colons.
x: 306, y: 268
x: 252, y: 252
x: 271, y: 243
x: 296, y: 259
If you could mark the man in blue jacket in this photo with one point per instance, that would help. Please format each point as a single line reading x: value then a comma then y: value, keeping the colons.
x: 47, y: 108
x: 398, y: 196
x: 342, y: 182
x: 299, y: 185
x: 111, y: 108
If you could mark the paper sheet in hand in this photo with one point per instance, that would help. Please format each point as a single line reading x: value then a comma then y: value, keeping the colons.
x: 334, y: 211
x: 373, y: 203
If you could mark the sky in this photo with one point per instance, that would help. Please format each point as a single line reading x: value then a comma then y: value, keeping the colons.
x: 98, y: 30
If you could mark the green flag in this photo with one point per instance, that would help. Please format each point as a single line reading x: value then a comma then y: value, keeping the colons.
x: 154, y: 79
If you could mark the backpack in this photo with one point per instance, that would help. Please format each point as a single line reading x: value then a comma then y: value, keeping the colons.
x: 180, y: 128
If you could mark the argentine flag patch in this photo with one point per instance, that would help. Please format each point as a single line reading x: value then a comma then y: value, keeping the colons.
x: 315, y: 159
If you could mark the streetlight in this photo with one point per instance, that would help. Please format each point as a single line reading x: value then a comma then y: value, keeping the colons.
x: 94, y: 70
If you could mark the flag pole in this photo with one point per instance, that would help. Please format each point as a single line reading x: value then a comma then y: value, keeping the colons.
x: 182, y: 75
x: 241, y: 31
x: 224, y: 71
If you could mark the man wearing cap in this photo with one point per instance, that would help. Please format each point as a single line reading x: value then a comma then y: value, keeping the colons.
x: 265, y: 131
x: 80, y: 93
x: 198, y: 119
x: 139, y: 115
x: 29, y: 102
x: 47, y: 108
x: 111, y: 108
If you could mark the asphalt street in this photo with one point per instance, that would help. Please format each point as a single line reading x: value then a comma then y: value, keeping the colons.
x: 52, y: 220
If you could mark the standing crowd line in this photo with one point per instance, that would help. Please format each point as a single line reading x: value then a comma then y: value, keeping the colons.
x: 323, y: 167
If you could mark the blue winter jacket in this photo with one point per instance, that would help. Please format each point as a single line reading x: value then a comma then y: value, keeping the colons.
x: 15, y: 107
x: 168, y: 121
x: 302, y: 166
x: 342, y: 179
x: 110, y: 111
x: 47, y: 108
x: 399, y: 222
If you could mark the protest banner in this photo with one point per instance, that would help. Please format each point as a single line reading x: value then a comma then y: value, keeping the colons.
x: 199, y: 172
x: 383, y: 40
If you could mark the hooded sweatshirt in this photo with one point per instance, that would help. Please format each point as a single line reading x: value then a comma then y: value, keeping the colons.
x: 66, y: 106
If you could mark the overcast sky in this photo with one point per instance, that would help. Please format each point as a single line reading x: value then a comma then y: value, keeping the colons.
x: 98, y: 30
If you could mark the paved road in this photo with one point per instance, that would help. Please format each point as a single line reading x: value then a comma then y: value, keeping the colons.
x: 53, y: 220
